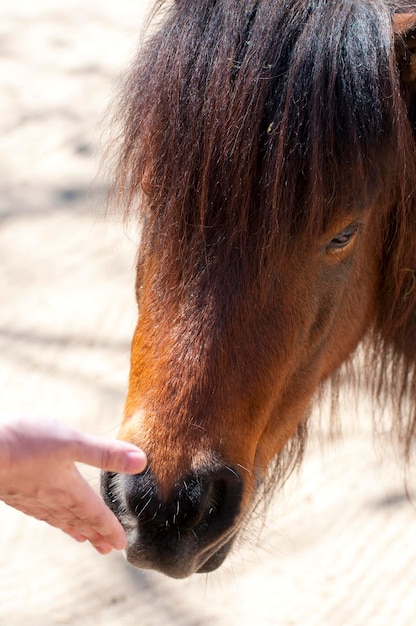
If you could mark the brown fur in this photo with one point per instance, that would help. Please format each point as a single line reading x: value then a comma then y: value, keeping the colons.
x: 253, y: 134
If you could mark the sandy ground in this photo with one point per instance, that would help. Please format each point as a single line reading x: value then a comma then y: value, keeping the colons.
x: 338, y: 546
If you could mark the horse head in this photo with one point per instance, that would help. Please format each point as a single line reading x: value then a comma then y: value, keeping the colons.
x: 270, y: 148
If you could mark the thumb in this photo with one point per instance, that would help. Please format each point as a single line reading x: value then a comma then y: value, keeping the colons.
x: 111, y: 455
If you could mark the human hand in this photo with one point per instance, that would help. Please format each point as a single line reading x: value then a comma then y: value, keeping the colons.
x: 38, y: 476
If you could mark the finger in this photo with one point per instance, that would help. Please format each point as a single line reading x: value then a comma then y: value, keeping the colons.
x: 110, y: 455
x: 104, y: 534
x: 82, y: 531
x: 78, y: 508
x: 91, y: 516
x: 72, y: 532
x: 98, y: 542
x: 102, y: 549
x: 85, y: 533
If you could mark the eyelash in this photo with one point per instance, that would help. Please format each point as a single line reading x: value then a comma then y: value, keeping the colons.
x: 344, y: 238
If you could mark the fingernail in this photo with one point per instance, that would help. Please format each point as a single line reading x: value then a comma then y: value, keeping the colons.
x: 135, y: 461
x: 103, y: 549
x: 120, y: 545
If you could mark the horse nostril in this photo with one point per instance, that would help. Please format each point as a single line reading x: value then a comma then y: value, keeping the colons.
x: 204, y: 503
x: 211, y: 503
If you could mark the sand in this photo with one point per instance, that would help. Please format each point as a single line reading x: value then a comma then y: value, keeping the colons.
x: 337, y: 547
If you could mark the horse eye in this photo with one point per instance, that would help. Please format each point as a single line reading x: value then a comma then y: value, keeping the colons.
x: 342, y: 239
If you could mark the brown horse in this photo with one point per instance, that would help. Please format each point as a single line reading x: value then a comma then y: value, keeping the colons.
x: 269, y: 146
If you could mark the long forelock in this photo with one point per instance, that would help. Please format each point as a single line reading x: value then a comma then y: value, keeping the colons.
x: 261, y: 119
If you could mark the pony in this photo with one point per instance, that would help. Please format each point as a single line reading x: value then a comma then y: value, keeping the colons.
x: 267, y: 149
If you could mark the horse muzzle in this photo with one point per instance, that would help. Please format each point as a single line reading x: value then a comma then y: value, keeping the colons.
x: 190, y: 530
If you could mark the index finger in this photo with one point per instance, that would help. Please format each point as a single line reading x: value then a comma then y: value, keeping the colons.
x: 111, y: 455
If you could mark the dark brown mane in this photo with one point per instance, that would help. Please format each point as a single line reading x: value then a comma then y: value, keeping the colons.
x: 239, y: 107
x: 281, y: 115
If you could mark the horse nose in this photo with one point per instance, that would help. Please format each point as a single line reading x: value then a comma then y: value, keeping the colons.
x: 189, y: 530
x: 205, y: 503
